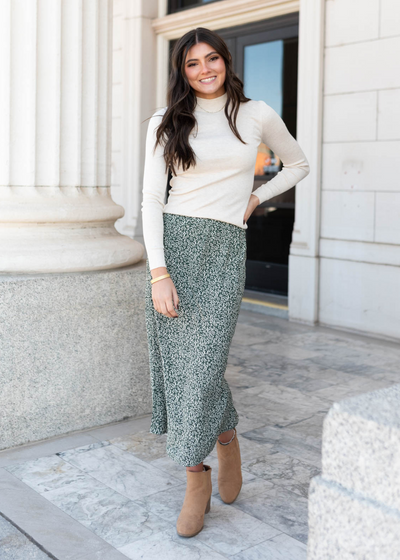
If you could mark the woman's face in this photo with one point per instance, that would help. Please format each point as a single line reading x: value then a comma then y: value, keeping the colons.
x: 205, y: 71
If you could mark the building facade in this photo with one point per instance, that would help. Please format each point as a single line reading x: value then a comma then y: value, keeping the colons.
x: 332, y: 244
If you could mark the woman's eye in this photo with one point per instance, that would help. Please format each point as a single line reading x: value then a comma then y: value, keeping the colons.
x: 212, y: 58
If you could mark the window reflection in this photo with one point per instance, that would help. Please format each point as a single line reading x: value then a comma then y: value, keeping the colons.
x: 267, y: 161
x: 263, y: 80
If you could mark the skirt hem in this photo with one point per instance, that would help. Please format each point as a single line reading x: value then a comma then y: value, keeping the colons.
x: 158, y: 431
x: 180, y: 461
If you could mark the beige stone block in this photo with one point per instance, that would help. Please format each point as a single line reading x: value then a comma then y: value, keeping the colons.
x: 366, y: 166
x: 387, y: 221
x: 389, y: 114
x: 389, y: 18
x: 360, y: 296
x: 350, y: 117
x: 375, y: 253
x: 351, y: 22
x: 347, y: 215
x: 362, y: 66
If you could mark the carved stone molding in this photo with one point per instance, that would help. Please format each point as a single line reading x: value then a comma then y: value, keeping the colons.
x: 218, y: 15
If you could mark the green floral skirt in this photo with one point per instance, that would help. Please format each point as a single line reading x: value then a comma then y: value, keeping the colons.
x: 188, y: 354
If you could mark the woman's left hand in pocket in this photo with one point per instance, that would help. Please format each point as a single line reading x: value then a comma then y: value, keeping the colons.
x: 254, y: 201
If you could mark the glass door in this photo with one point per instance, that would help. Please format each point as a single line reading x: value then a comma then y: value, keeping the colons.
x: 265, y: 58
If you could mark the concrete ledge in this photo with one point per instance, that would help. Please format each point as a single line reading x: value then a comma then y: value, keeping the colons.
x: 354, y: 507
x: 345, y: 525
x: 74, y: 352
x: 361, y: 445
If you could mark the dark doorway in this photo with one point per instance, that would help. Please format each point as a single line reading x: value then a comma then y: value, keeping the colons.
x: 265, y: 57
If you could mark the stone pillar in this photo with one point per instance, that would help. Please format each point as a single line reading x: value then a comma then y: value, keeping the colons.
x: 56, y: 210
x: 72, y: 319
x: 135, y: 79
x: 304, y: 248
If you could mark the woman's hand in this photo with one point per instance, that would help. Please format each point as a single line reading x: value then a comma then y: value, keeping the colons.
x: 254, y: 201
x: 164, y: 293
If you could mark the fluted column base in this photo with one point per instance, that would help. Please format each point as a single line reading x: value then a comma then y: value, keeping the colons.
x: 62, y: 229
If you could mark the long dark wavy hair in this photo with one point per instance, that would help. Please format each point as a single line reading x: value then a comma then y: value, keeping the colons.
x: 178, y: 119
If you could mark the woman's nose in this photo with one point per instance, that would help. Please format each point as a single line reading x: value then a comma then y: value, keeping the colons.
x: 204, y: 70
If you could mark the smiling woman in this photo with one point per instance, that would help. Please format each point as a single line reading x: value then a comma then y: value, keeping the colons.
x: 208, y: 135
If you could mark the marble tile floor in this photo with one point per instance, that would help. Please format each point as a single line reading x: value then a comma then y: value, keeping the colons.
x: 111, y: 493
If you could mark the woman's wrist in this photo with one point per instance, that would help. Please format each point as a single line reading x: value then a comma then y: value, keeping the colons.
x: 159, y: 271
x: 158, y: 278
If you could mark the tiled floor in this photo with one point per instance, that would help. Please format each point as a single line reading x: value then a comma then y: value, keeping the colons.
x: 112, y: 493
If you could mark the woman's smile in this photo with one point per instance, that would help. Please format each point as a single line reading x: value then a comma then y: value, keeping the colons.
x: 208, y: 80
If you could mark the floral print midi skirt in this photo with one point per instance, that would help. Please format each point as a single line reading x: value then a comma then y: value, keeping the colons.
x: 191, y: 399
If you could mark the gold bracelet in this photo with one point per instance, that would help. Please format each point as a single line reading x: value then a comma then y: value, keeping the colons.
x: 159, y: 278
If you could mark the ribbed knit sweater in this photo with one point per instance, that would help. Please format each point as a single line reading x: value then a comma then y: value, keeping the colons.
x: 220, y: 184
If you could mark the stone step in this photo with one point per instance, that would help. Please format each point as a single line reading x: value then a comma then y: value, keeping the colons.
x: 344, y: 525
x: 361, y: 445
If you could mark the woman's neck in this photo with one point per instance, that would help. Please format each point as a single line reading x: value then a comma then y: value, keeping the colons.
x: 212, y: 105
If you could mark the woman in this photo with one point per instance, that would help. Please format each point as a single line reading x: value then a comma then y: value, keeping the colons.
x: 207, y: 135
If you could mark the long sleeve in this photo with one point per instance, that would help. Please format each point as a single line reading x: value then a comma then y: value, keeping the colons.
x: 276, y: 136
x: 154, y: 190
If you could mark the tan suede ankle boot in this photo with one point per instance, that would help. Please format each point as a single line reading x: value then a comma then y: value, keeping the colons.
x: 229, y: 470
x: 196, y: 502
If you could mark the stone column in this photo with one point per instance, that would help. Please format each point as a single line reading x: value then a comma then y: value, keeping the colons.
x: 135, y: 83
x: 72, y: 319
x: 304, y: 249
x: 56, y: 210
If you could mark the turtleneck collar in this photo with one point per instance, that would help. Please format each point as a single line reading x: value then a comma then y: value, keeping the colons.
x: 211, y: 105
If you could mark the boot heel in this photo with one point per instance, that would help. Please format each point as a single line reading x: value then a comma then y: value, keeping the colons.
x: 208, y: 505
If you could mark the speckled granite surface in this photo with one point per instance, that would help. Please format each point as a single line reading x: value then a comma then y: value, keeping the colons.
x: 361, y: 445
x: 73, y: 352
x: 354, y: 507
x: 344, y: 525
x: 381, y: 407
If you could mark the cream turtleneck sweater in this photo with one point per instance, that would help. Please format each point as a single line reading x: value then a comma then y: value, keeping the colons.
x: 220, y: 185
